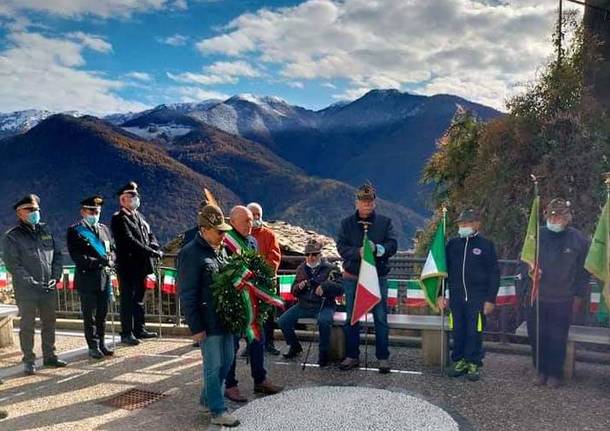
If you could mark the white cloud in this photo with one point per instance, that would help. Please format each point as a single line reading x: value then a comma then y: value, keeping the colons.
x: 221, y: 72
x: 296, y: 84
x: 92, y: 41
x: 139, y: 76
x: 441, y: 45
x: 78, y: 8
x: 196, y: 94
x: 175, y: 40
x: 46, y: 73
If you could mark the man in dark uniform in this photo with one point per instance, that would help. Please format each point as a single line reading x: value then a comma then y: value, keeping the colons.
x: 474, y: 279
x: 349, y: 245
x: 35, y: 262
x: 92, y: 250
x: 562, y: 253
x: 136, y: 250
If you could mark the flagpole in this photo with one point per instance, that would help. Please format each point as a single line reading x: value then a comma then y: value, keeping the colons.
x: 536, y: 275
x: 365, y: 226
x: 607, y: 183
x: 443, y: 298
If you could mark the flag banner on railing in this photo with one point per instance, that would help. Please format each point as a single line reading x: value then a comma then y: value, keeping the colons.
x: 150, y: 282
x: 169, y: 281
x: 285, y: 282
x: 114, y: 281
x: 598, y: 304
x: 507, y: 293
x: 393, y: 292
x: 3, y: 277
x: 415, y: 294
x: 68, y: 273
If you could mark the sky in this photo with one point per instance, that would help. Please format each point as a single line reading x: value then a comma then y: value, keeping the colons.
x: 106, y: 56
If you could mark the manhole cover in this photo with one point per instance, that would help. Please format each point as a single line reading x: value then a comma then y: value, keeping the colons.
x: 133, y: 399
x: 339, y: 408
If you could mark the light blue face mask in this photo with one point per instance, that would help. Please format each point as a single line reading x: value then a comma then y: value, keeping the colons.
x: 92, y: 220
x: 33, y: 218
x: 463, y: 232
x: 554, y: 227
x: 135, y: 203
x: 257, y: 223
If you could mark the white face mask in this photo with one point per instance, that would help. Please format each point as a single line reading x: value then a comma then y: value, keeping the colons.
x: 134, y: 203
x: 257, y: 223
x: 463, y: 232
x: 554, y: 227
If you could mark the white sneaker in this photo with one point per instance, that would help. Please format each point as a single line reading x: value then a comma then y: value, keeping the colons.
x: 226, y: 420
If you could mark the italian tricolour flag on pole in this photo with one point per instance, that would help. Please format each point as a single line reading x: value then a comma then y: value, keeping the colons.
x: 435, y: 268
x: 3, y: 277
x: 367, y: 291
x: 169, y: 281
x: 150, y: 282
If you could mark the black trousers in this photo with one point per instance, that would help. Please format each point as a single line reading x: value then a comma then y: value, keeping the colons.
x: 132, y: 304
x: 468, y: 325
x: 94, y: 306
x: 268, y: 327
x: 555, y: 321
x: 44, y: 305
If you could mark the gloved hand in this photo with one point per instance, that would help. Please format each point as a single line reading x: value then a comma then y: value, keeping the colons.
x: 50, y: 287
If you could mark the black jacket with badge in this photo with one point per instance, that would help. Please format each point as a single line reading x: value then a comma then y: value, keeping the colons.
x: 326, y: 275
x: 351, y: 234
x: 136, y: 246
x: 562, y: 261
x: 92, y: 270
x: 472, y: 265
x: 197, y: 263
x: 33, y: 258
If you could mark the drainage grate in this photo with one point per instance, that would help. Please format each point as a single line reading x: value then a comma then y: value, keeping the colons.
x: 133, y: 399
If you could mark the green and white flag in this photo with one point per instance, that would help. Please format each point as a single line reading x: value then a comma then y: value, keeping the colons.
x: 598, y: 258
x: 435, y: 268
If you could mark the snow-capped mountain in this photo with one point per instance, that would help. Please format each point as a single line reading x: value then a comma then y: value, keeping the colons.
x: 14, y: 123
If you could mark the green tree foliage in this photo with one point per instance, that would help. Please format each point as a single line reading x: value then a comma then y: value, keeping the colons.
x: 555, y: 129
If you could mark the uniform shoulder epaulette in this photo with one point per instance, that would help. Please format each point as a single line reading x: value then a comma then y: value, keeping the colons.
x: 11, y: 230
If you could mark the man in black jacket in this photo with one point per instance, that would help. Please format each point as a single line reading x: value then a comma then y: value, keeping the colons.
x: 316, y: 285
x: 474, y: 279
x: 92, y: 249
x: 35, y: 262
x: 136, y: 250
x: 197, y: 262
x: 562, y: 253
x: 349, y: 245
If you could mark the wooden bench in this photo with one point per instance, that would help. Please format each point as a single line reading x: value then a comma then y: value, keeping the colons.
x: 577, y: 334
x: 7, y: 312
x: 430, y: 327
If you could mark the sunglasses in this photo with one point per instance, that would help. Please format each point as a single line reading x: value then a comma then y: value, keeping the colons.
x: 312, y: 254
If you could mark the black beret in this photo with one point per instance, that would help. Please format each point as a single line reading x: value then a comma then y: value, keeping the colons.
x: 92, y: 202
x: 130, y: 187
x: 469, y: 215
x: 27, y: 201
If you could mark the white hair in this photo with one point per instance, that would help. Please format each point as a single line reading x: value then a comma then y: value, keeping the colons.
x: 253, y: 205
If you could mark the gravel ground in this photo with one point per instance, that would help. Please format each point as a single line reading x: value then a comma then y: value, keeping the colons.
x: 11, y: 356
x: 69, y: 398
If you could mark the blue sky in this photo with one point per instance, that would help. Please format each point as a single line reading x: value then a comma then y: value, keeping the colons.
x: 102, y: 56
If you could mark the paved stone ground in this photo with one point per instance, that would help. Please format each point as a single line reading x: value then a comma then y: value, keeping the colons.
x: 68, y: 399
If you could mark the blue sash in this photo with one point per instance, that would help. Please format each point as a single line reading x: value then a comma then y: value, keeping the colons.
x: 93, y: 240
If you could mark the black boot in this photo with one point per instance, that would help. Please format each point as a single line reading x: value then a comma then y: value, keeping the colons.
x: 105, y: 350
x: 293, y: 352
x: 323, y: 360
x: 95, y: 353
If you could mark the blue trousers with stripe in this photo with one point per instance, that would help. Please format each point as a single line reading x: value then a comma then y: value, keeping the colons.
x: 468, y: 325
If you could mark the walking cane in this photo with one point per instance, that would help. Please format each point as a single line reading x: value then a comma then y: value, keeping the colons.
x: 443, y: 344
x: 312, y: 335
x: 365, y: 226
x: 158, y: 272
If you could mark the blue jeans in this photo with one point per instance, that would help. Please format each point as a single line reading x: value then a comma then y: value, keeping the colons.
x: 256, y: 350
x: 289, y: 319
x: 380, y: 317
x: 217, y: 352
x: 467, y: 339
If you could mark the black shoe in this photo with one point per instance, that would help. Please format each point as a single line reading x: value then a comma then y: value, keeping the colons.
x: 196, y: 344
x: 54, y: 362
x: 293, y: 352
x: 323, y: 360
x: 106, y: 351
x: 130, y: 340
x: 270, y: 348
x: 3, y: 414
x: 95, y: 353
x: 29, y: 368
x: 146, y: 334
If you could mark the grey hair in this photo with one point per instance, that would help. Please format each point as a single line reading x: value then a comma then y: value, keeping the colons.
x: 256, y: 205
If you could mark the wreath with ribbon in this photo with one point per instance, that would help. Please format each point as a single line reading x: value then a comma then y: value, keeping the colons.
x: 244, y: 294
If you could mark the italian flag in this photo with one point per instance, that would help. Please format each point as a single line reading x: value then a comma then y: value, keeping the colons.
x: 367, y: 291
x: 169, y: 281
x: 507, y: 293
x: 285, y: 282
x: 435, y: 268
x: 415, y: 294
x: 150, y: 282
x: 393, y: 293
x: 69, y: 272
x: 596, y: 298
x: 3, y: 277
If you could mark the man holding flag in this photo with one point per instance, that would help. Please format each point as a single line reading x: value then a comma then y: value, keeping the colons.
x: 366, y: 241
x: 560, y: 277
x: 474, y: 279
